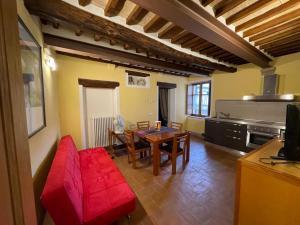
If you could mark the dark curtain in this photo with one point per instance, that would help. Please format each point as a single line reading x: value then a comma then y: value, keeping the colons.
x: 163, y: 105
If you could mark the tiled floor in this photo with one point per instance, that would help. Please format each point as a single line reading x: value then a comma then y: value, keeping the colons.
x: 203, y: 194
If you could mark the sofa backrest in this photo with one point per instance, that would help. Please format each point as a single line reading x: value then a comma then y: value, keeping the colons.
x: 62, y: 195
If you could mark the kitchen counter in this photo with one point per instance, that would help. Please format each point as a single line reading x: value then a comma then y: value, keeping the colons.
x: 265, y: 193
x: 277, y: 125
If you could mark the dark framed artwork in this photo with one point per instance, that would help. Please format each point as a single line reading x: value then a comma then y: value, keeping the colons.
x: 32, y: 72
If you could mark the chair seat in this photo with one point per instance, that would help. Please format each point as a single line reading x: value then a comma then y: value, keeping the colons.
x: 141, y: 144
x: 169, y: 147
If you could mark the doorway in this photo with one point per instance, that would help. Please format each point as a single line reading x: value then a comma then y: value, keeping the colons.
x: 166, y: 102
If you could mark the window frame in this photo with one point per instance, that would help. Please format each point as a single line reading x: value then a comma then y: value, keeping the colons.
x: 200, y: 99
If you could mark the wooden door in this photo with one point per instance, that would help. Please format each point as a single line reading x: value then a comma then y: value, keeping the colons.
x: 16, y: 191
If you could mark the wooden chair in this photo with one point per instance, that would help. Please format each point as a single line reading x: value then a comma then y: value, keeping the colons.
x: 135, y: 148
x: 179, y: 146
x: 175, y: 125
x: 143, y: 125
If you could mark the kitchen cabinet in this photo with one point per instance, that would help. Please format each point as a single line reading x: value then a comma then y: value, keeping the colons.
x: 229, y: 134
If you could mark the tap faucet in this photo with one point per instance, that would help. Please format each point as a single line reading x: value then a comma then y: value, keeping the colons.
x: 226, y: 115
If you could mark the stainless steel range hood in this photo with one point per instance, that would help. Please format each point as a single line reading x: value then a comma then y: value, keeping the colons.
x: 270, y: 89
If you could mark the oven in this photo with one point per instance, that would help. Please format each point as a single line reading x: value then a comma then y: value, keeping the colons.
x: 259, y: 135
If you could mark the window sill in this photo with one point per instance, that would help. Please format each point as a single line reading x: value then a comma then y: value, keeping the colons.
x: 198, y: 117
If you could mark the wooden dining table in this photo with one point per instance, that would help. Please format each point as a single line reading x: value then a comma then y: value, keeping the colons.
x: 156, y: 137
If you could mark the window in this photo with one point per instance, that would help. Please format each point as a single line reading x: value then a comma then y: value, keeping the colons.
x: 198, y: 99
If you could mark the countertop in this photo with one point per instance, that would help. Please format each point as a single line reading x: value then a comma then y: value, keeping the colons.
x: 277, y: 125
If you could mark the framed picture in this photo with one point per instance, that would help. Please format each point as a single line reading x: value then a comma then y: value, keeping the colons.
x: 137, y: 79
x: 32, y: 72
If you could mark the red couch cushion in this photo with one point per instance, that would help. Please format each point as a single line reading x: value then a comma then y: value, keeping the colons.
x: 106, y: 195
x: 62, y: 195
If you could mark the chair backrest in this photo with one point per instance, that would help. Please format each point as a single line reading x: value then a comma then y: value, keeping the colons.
x: 143, y: 125
x: 129, y: 136
x: 177, y: 126
x: 181, y: 141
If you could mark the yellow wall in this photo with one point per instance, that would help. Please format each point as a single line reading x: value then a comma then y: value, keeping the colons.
x: 247, y: 80
x: 41, y: 143
x: 135, y: 103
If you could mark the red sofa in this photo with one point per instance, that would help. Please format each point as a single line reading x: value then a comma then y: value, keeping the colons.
x: 85, y: 187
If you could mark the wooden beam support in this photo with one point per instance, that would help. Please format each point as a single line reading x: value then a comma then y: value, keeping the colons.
x: 155, y: 24
x: 84, y: 2
x: 170, y: 31
x: 201, y: 46
x: 190, y: 43
x: 248, y: 10
x: 136, y: 15
x: 76, y: 47
x: 113, y: 7
x: 279, y: 36
x: 206, y: 2
x: 269, y: 14
x: 197, y: 20
x: 289, y: 39
x: 283, y: 46
x: 272, y: 23
x: 72, y: 15
x: 225, y: 6
x: 272, y: 31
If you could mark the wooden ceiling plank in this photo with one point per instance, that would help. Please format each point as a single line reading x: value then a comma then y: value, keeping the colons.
x: 248, y: 11
x: 57, y: 10
x: 81, y: 48
x: 155, y: 24
x: 84, y: 2
x: 272, y: 23
x: 225, y: 6
x: 136, y: 15
x: 269, y: 14
x: 269, y: 32
x: 286, y: 52
x: 185, y: 37
x: 283, y: 46
x: 197, y: 20
x: 209, y: 49
x: 201, y: 46
x: 279, y: 36
x: 214, y: 52
x: 190, y: 43
x: 113, y: 7
x: 222, y: 54
x: 170, y: 32
x: 206, y: 2
x: 291, y: 38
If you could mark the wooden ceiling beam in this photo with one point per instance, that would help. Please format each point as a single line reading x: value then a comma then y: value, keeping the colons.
x: 81, y: 48
x: 190, y: 43
x: 206, y: 2
x: 74, y: 16
x: 272, y: 31
x: 225, y: 6
x: 201, y: 46
x: 170, y: 31
x: 136, y: 15
x: 289, y: 39
x: 186, y: 36
x: 248, y: 11
x: 269, y: 14
x: 222, y: 54
x: 155, y: 24
x: 113, y: 7
x: 279, y: 36
x: 272, y: 23
x: 286, y: 51
x: 198, y: 21
x: 84, y: 2
x: 209, y: 49
x: 283, y: 46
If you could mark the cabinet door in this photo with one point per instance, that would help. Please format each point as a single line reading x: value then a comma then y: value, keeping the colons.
x: 212, y: 131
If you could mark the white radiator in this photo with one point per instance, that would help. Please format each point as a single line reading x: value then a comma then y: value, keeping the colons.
x: 99, y: 131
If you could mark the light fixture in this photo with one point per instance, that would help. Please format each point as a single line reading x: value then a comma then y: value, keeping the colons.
x: 51, y: 63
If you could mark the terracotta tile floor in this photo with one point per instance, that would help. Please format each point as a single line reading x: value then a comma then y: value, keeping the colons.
x: 202, y: 194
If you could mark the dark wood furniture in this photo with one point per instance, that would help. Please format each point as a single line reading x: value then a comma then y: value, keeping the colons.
x: 135, y: 147
x: 112, y: 137
x: 178, y: 147
x: 143, y: 125
x: 156, y: 138
x: 229, y: 134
